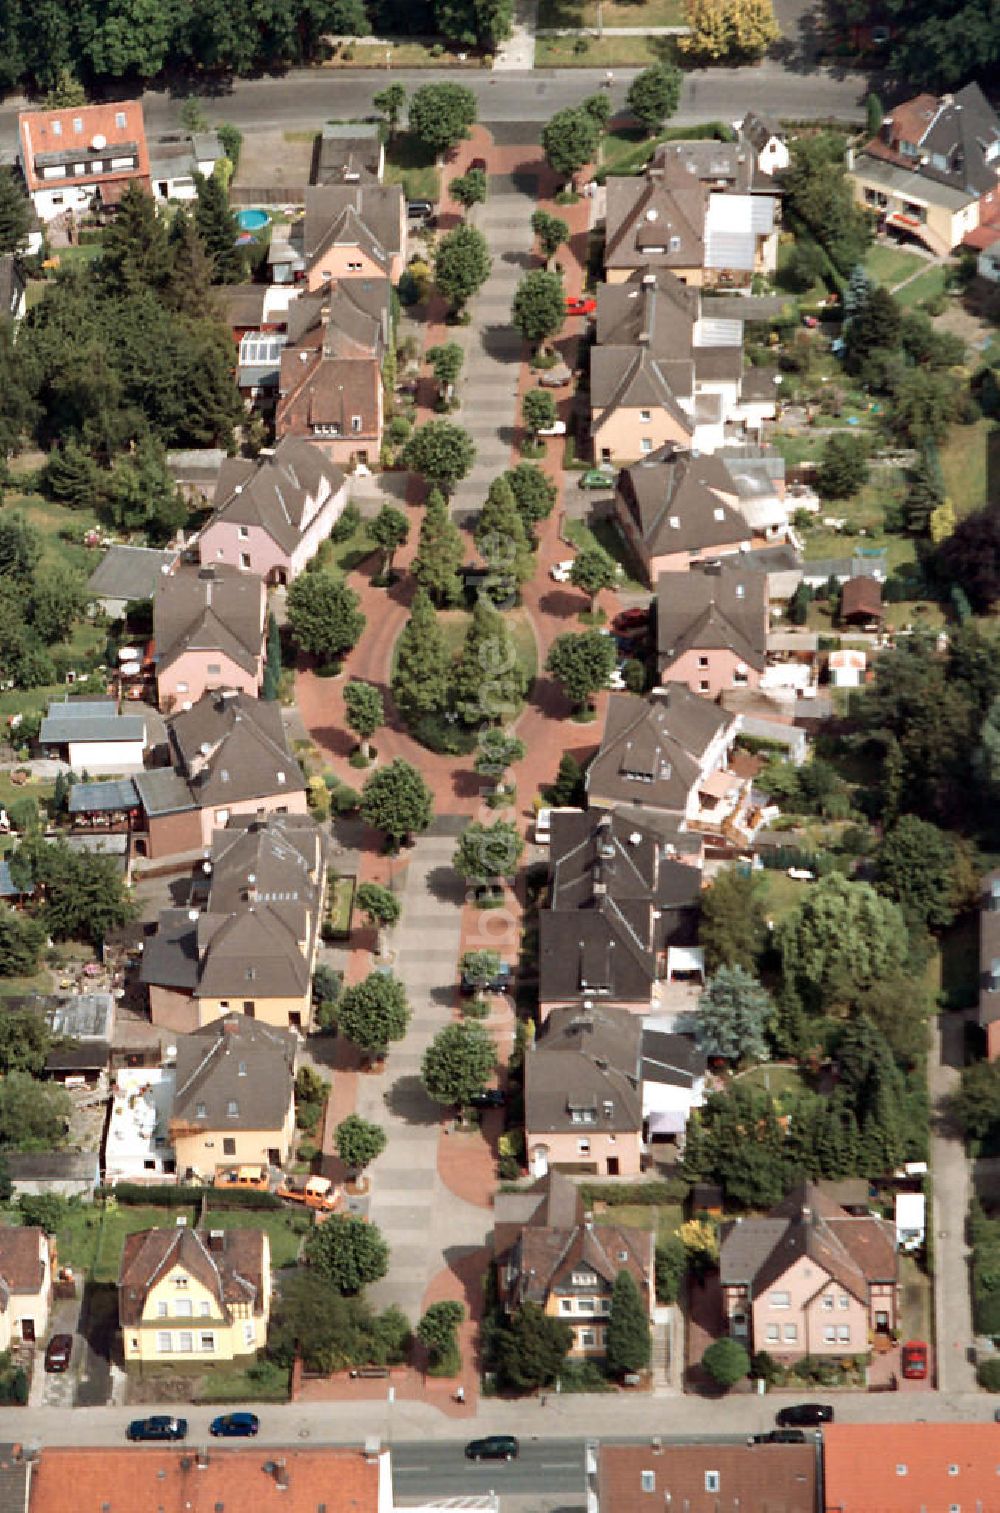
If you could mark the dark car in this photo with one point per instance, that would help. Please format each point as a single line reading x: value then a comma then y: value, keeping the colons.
x: 160, y: 1426
x: 490, y: 1097
x: 419, y: 210
x: 499, y: 983
x: 478, y: 164
x: 234, y: 1425
x: 781, y: 1437
x: 492, y: 1447
x: 631, y: 622
x: 58, y: 1352
x: 807, y: 1414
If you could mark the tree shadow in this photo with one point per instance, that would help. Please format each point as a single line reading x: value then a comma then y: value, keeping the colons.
x: 502, y: 343
x: 406, y: 1098
x: 446, y: 886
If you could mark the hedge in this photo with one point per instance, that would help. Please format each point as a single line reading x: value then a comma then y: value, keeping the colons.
x: 669, y: 1190
x: 155, y: 1195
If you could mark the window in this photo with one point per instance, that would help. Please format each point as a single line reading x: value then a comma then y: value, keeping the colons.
x: 675, y: 244
x: 582, y: 1116
x: 205, y: 1308
x: 702, y: 661
x: 232, y: 1109
x: 646, y: 445
x: 185, y: 1308
x: 182, y: 688
x: 791, y: 1333
x: 711, y: 1481
x: 228, y: 1146
x: 214, y: 669
x: 952, y: 1470
x: 79, y: 168
x: 645, y: 416
x: 583, y: 1147
x: 828, y: 1303
x: 647, y: 1481
x: 161, y: 1310
x: 245, y: 561
x: 566, y: 1305
x: 57, y: 128
x: 901, y: 1470
x: 844, y: 1333
x: 120, y: 118
x: 588, y: 1337
x: 77, y: 124
x: 201, y: 1111
x: 772, y: 1334
x: 206, y: 1341
x: 164, y: 1342
x: 780, y: 1300
x: 583, y: 1279
x: 355, y: 422
x: 354, y: 267
x: 704, y: 686
x: 180, y: 1280
x: 605, y: 1305
x: 585, y: 1305
x: 248, y: 1338
x: 829, y: 1334
x: 185, y: 1342
x: 244, y: 532
x: 844, y: 1301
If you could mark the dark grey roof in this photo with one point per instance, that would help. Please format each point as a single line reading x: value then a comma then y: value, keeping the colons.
x: 78, y: 1056
x: 52, y: 1166
x: 675, y: 499
x: 129, y: 572
x: 632, y: 378
x: 349, y: 153
x: 170, y: 957
x: 654, y: 306
x: 651, y: 751
x: 234, y: 1064
x: 366, y: 215
x: 963, y: 129
x: 231, y: 747
x: 585, y: 1061
x: 855, y: 1252
x: 279, y: 492
x: 210, y: 609
x: 85, y: 1016
x: 724, y: 608
x: 242, y: 305
x: 161, y: 790
x: 89, y: 720
x: 103, y: 798
x: 674, y: 1060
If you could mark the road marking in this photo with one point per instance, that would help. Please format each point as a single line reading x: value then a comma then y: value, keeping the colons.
x: 562, y: 1465
x: 408, y: 1468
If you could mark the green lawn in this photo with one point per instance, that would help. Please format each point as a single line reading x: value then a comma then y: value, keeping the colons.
x: 606, y: 52
x: 780, y: 893
x: 605, y: 534
x: 963, y: 463
x: 285, y: 1230
x: 663, y: 1218
x: 90, y: 1239
x: 778, y: 1080
x: 927, y: 286
x: 410, y: 163
x: 340, y: 906
x: 266, y: 1382
x: 915, y: 1297
x: 455, y: 623
x: 580, y: 13
x: 889, y: 266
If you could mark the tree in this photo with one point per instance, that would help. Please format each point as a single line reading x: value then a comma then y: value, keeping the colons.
x: 189, y: 285
x: 440, y: 452
x: 471, y: 189
x: 502, y: 539
x: 135, y: 252
x: 312, y: 1320
x: 732, y: 1016
x: 915, y: 866
x: 358, y: 1142
x: 805, y: 268
x: 22, y: 940
x: 627, y: 1339
x: 539, y: 307
x: 439, y: 553
x: 218, y: 228
x: 458, y: 1063
x: 599, y: 108
x: 272, y: 667
x: 20, y: 547
x: 421, y: 682
x: 488, y: 853
x: 56, y: 602
x: 389, y: 531
x: 142, y: 493
x: 33, y: 1115
x: 726, y: 1362
x: 348, y: 18
x: 373, y: 1012
x: 15, y: 213
x: 398, y: 801
x: 843, y: 467
x: 732, y: 929
x: 569, y: 789
x: 592, y: 571
x: 489, y: 682
x: 874, y: 115
x: 364, y: 711
x: 570, y: 140
x: 976, y: 1103
x: 923, y: 404
x: 446, y: 364
x: 818, y: 199
x: 653, y: 95
x: 85, y: 896
x: 942, y: 522
x: 66, y: 92
x: 479, y: 968
x: 440, y: 115
x: 324, y: 615
x: 348, y: 1252
x: 842, y: 937
x: 389, y: 103
x: 924, y: 492
x: 582, y: 664
x: 531, y: 1348
x: 798, y: 604
x: 436, y: 1331
x: 876, y: 326
x: 538, y: 411
x: 380, y: 906
x: 497, y: 750
x: 550, y: 230
x: 534, y: 492
x: 731, y: 29
x: 969, y: 557
x: 462, y: 265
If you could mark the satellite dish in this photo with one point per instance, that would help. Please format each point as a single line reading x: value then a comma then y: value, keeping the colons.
x: 99, y: 142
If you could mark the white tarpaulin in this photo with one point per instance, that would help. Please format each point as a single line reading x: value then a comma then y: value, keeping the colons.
x: 686, y: 960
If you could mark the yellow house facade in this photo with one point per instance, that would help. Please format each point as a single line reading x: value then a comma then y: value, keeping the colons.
x: 234, y: 1097
x: 186, y: 1296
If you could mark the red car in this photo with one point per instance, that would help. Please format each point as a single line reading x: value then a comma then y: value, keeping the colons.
x: 479, y: 163
x: 630, y: 621
x: 915, y: 1360
x: 581, y: 306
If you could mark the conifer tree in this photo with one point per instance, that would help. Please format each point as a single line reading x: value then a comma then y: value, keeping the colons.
x: 439, y: 553
x: 421, y: 683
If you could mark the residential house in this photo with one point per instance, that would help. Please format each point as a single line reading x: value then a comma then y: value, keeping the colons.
x: 83, y: 157
x: 92, y: 736
x: 350, y: 153
x: 673, y: 1071
x: 809, y: 1278
x: 256, y: 315
x: 933, y: 170
x: 128, y: 575
x: 909, y: 1467
x: 702, y: 210
x: 209, y: 632
x: 768, y: 141
x: 711, y: 627
x: 176, y: 159
x: 678, y: 507
x: 271, y: 516
x: 25, y: 1285
x: 330, y: 383
x: 13, y: 291
x: 988, y: 1016
x: 618, y: 904
x: 65, y: 1174
x: 861, y: 603
x: 149, y: 1478
x: 350, y: 230
x: 549, y: 1252
x: 253, y: 948
x: 705, y: 1477
x: 15, y: 1477
x: 137, y: 1136
x: 671, y: 756
x: 234, y: 1100
x: 185, y: 1295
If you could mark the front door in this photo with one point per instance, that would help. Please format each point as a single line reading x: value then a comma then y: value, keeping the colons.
x: 273, y: 1156
x: 539, y: 1160
x: 612, y: 1166
x: 28, y: 1331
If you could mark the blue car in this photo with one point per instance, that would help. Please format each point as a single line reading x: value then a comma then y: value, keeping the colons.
x: 160, y: 1426
x: 234, y: 1425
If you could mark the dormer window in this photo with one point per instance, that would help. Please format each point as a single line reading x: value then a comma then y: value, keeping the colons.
x: 719, y: 514
x: 232, y: 1109
x: 584, y: 1279
x: 355, y: 422
x: 675, y: 522
x: 675, y: 244
x: 201, y: 1111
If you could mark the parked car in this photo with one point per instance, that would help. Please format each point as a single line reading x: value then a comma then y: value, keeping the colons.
x: 58, y: 1352
x: 915, y: 1360
x: 419, y: 210
x: 499, y: 983
x: 160, y: 1426
x: 582, y: 306
x: 597, y: 478
x: 490, y: 1097
x: 557, y: 428
x: 479, y: 163
x: 807, y: 1414
x: 234, y: 1425
x: 492, y: 1447
x: 630, y: 621
x: 555, y: 377
x: 560, y: 571
x: 781, y: 1437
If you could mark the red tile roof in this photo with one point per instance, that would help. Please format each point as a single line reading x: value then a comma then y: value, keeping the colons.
x: 707, y: 1478
x: 906, y: 1468
x: 54, y: 132
x: 169, y: 1480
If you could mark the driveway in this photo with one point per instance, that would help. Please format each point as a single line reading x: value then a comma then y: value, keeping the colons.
x: 427, y: 1226
x: 952, y: 1301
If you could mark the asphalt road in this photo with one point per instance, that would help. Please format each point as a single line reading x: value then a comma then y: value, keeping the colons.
x: 307, y: 97
x: 543, y: 1466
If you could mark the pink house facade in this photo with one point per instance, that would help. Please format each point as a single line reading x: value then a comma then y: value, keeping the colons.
x: 712, y: 672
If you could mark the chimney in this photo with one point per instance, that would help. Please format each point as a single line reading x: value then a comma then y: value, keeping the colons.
x: 201, y: 1460
x: 281, y: 1474
x: 231, y: 1024
x: 217, y: 1241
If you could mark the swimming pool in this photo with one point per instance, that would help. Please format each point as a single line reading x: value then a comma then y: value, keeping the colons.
x: 252, y: 220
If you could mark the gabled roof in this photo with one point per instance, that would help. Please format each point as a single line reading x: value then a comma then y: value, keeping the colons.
x: 679, y: 502
x: 652, y: 751
x: 654, y: 304
x: 105, y: 132
x: 724, y: 608
x: 130, y: 572
x: 234, y: 1063
x: 650, y: 223
x: 89, y: 720
x: 630, y: 378
x: 231, y: 747
x: 278, y: 493
x: 22, y: 1269
x: 321, y: 389
x: 234, y: 1273
x: 367, y: 216
x: 213, y: 609
x: 958, y: 130
x: 989, y: 951
x: 906, y: 1467
x: 753, y: 1478
x: 585, y: 1059
x: 348, y: 318
x: 349, y: 153
x: 861, y: 597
